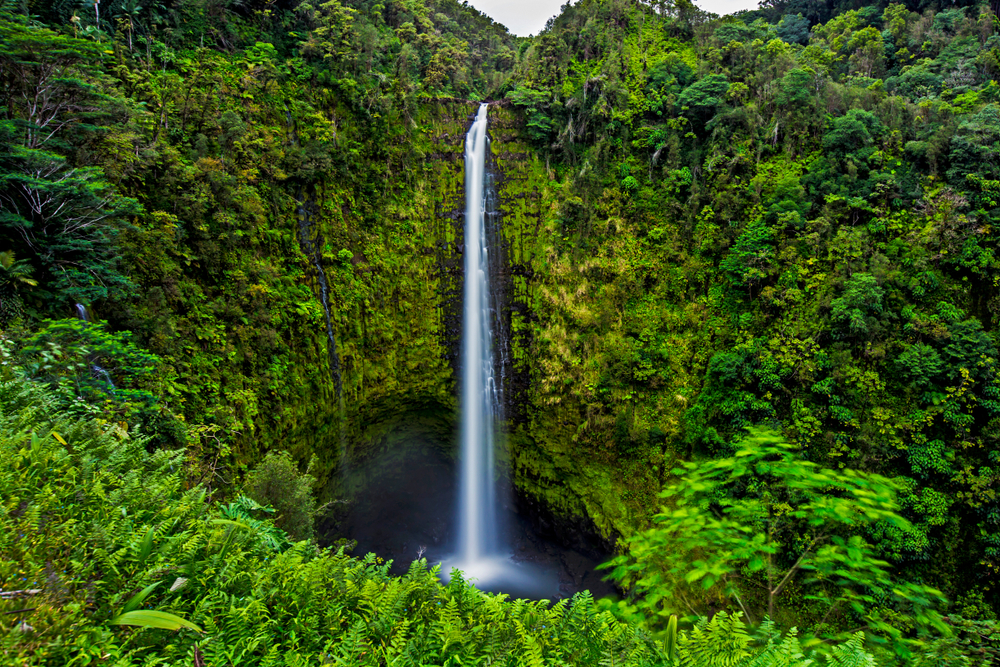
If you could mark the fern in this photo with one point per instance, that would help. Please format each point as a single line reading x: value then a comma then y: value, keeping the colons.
x: 852, y: 653
x: 263, y: 601
x: 721, y: 642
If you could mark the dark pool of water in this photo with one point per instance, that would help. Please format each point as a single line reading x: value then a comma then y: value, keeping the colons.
x: 402, y: 507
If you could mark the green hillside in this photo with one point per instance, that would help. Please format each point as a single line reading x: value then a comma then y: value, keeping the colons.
x: 750, y: 300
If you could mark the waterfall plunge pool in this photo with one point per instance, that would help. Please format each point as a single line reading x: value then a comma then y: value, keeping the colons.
x: 402, y: 507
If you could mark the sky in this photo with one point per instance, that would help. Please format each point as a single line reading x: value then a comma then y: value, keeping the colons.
x: 528, y: 17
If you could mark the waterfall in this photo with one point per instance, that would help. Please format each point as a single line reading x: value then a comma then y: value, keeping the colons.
x: 477, y: 529
x: 104, y: 374
x: 310, y: 248
x: 311, y: 243
x: 482, y: 555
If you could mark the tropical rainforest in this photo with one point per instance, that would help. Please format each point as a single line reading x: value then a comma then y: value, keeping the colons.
x: 751, y: 294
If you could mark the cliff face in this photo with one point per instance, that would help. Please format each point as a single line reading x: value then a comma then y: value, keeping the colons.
x: 399, y: 345
x: 398, y: 338
x: 557, y: 482
x: 563, y: 457
x: 306, y: 294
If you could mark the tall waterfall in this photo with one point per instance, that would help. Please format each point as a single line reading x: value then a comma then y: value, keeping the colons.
x: 481, y: 554
x: 477, y: 530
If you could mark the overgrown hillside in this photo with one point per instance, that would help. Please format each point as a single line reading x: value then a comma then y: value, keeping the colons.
x: 253, y: 210
x: 775, y: 224
x: 756, y: 252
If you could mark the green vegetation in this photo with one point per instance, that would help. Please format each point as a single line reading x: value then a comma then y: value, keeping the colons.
x: 99, y: 533
x: 752, y: 310
x: 277, y: 484
x: 749, y: 230
x: 753, y: 524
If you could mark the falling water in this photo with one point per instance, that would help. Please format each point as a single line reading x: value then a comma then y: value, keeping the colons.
x: 482, y: 555
x: 479, y: 405
x: 100, y: 372
x: 311, y: 243
x: 81, y: 312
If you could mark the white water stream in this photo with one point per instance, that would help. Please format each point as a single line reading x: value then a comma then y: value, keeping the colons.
x: 483, y: 555
x: 479, y: 405
x: 400, y: 514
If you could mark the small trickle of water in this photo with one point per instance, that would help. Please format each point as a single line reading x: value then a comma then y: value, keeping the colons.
x: 81, y: 312
x: 104, y: 374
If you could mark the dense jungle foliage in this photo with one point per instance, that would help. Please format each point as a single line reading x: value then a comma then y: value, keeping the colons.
x: 120, y: 561
x: 756, y: 312
x: 783, y: 227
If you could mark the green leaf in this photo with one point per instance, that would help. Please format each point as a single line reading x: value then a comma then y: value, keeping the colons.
x: 146, y: 547
x: 694, y: 575
x: 672, y: 637
x: 153, y: 619
x: 138, y: 598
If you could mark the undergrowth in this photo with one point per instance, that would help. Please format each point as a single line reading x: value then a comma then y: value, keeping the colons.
x: 93, y: 525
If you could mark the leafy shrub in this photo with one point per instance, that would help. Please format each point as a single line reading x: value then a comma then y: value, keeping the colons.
x: 751, y: 525
x: 277, y: 482
x: 859, y: 308
x: 725, y: 641
x: 929, y: 458
x: 88, y: 365
x: 751, y: 257
x: 919, y: 365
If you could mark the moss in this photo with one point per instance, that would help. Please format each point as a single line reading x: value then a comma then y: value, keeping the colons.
x: 397, y: 309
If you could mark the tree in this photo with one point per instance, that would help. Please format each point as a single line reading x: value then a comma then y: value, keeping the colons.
x: 852, y: 135
x: 702, y: 98
x: 750, y: 258
x: 867, y: 52
x: 331, y: 37
x: 754, y: 524
x: 278, y: 483
x: 46, y: 84
x: 794, y: 29
x: 975, y: 149
x: 860, y: 306
x: 64, y: 217
x: 795, y: 88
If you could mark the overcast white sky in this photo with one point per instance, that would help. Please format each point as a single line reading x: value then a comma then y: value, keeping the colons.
x: 528, y: 17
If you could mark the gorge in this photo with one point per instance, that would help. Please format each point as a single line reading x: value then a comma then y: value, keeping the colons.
x: 730, y: 312
x: 488, y: 542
